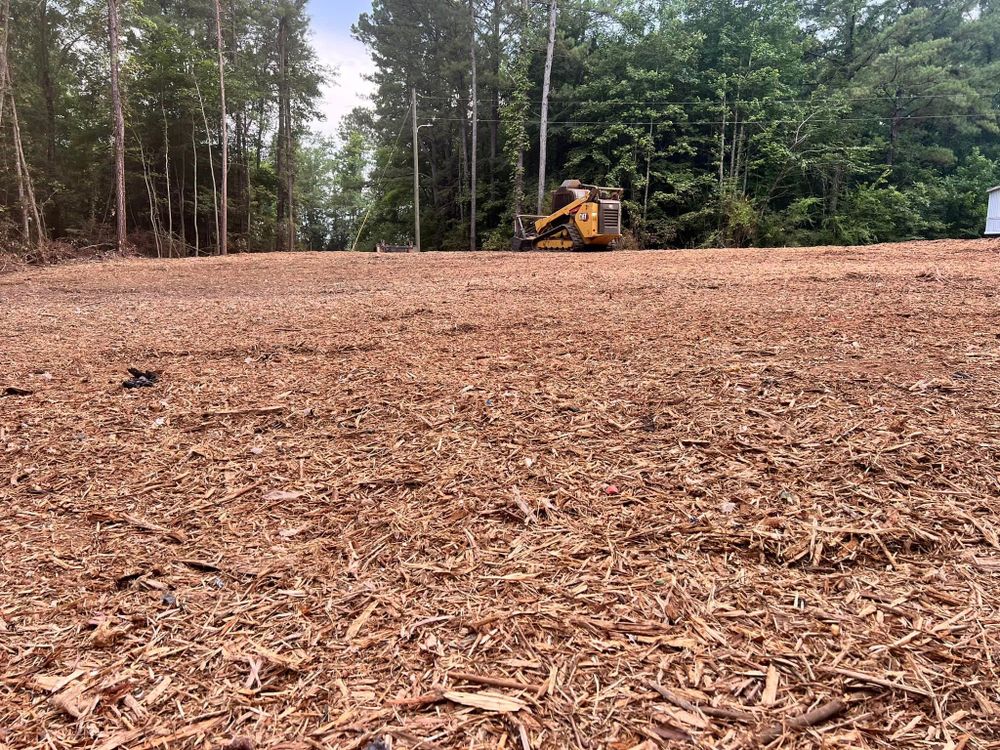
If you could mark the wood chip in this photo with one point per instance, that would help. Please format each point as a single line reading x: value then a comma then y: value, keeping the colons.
x: 811, y: 718
x: 360, y: 621
x: 364, y: 482
x: 492, y: 702
x: 281, y: 495
x: 681, y: 718
x: 496, y: 681
x: 881, y: 681
x: 770, y: 694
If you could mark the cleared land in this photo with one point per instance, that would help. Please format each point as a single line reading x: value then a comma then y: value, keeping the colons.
x: 650, y: 496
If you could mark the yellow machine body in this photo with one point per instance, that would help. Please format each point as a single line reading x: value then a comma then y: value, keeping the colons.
x: 584, y: 217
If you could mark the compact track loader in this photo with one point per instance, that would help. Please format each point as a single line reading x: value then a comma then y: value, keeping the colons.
x: 584, y: 217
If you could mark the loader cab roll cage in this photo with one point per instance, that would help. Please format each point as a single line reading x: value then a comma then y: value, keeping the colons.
x: 572, y: 190
x: 583, y: 217
x: 569, y: 191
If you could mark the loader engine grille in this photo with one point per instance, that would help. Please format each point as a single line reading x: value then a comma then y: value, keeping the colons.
x: 609, y: 217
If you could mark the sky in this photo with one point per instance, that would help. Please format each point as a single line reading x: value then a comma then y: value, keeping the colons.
x: 336, y: 48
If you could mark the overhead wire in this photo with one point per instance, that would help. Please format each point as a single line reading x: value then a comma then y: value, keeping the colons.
x: 648, y: 122
x: 378, y: 184
x: 715, y: 102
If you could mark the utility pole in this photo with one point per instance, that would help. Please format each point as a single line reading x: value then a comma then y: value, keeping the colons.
x: 645, y: 195
x: 416, y: 170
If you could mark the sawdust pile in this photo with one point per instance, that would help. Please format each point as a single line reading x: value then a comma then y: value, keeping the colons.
x: 521, y: 501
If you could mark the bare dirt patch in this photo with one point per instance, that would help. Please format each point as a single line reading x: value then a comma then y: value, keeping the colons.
x: 502, y: 500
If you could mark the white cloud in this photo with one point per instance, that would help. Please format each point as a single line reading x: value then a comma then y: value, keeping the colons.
x: 347, y: 87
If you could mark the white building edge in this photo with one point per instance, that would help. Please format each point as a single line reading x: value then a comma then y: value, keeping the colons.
x: 993, y: 213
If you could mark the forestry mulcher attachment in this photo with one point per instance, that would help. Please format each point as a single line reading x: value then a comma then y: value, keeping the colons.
x: 584, y: 217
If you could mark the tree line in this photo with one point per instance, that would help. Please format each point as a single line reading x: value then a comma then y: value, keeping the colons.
x: 727, y: 122
x: 175, y: 126
x: 184, y: 127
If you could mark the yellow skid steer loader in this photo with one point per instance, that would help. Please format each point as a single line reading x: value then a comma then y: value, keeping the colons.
x: 584, y: 217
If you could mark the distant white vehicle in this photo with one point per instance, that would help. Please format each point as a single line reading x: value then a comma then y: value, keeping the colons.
x: 993, y: 212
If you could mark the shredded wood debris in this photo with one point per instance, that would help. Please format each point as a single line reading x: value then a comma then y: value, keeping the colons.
x: 727, y: 498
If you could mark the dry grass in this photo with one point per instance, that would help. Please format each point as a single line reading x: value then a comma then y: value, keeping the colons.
x: 503, y: 501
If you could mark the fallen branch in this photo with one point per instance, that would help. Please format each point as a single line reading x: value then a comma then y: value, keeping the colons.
x: 175, y: 535
x: 716, y: 713
x: 881, y: 681
x: 809, y: 719
x: 247, y: 410
x: 495, y: 681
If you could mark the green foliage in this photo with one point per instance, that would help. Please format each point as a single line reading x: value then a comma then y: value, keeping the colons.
x: 881, y: 212
x: 331, y: 195
x: 962, y: 203
x: 768, y: 122
x: 759, y: 122
x: 171, y: 99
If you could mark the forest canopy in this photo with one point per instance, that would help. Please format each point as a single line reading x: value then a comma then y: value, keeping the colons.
x: 727, y: 122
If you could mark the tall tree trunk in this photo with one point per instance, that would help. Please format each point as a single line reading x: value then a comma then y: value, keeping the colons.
x: 119, y: 126
x: 54, y: 207
x: 22, y: 200
x: 211, y: 161
x: 154, y: 219
x: 463, y: 164
x: 194, y: 186
x: 182, y: 207
x: 40, y: 239
x: 289, y: 166
x: 497, y: 51
x: 543, y: 133
x: 852, y: 23
x: 521, y: 64
x: 45, y: 77
x: 743, y: 157
x: 284, y: 206
x: 166, y: 177
x: 246, y: 185
x: 243, y: 170
x: 4, y: 35
x: 834, y: 202
x: 475, y: 127
x: 25, y: 189
x: 259, y: 140
x: 722, y: 146
x: 519, y: 182
x: 734, y: 144
x: 258, y: 156
x: 242, y: 167
x: 895, y: 125
x: 223, y: 135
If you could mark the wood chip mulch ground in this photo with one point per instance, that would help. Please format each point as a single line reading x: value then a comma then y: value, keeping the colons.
x: 713, y: 499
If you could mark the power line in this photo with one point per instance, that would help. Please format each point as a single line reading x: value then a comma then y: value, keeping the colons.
x: 378, y: 184
x: 647, y: 123
x: 715, y: 102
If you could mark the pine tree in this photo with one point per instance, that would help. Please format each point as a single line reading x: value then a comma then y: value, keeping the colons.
x: 118, y: 118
